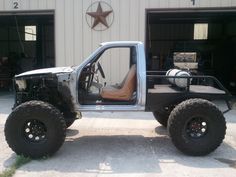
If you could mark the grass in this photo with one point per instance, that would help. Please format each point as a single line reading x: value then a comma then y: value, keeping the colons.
x: 20, y: 160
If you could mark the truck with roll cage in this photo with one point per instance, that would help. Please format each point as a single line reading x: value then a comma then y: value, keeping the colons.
x: 47, y: 101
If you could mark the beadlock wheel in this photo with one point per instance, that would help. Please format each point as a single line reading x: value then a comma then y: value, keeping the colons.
x: 35, y: 129
x: 196, y: 127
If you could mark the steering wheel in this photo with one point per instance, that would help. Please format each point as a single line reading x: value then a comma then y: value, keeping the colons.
x: 101, y: 70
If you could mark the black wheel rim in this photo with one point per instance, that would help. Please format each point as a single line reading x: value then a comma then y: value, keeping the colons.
x: 196, y: 128
x: 34, y: 131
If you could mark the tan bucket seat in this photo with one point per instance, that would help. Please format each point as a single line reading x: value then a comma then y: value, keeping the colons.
x: 124, y: 92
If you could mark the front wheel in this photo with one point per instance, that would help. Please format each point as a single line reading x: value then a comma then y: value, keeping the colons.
x: 35, y: 129
x: 196, y: 127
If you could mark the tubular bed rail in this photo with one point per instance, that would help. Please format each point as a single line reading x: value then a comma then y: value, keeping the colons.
x: 189, y: 78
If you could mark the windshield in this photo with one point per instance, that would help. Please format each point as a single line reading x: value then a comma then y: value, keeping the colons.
x: 86, y: 61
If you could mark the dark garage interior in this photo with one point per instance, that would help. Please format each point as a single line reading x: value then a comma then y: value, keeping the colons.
x: 203, y: 42
x: 26, y: 43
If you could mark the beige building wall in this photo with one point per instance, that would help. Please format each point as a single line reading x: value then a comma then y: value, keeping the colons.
x: 75, y: 40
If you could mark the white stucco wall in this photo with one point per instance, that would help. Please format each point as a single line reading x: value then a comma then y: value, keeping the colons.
x: 75, y: 40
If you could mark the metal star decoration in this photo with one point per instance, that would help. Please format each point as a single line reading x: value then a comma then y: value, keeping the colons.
x: 99, y: 16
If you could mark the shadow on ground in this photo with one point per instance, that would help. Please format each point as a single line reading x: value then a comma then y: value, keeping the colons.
x: 125, y: 154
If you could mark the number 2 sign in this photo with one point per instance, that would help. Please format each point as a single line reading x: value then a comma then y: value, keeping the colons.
x: 16, y: 4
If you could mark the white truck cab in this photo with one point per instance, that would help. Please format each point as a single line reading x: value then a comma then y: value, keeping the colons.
x: 47, y: 101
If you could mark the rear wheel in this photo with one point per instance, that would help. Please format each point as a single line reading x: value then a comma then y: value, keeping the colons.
x: 163, y: 114
x: 35, y: 129
x: 196, y: 127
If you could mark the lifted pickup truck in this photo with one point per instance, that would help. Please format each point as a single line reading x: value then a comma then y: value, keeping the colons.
x: 47, y: 101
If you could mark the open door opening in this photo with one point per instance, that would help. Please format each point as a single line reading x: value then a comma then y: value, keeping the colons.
x: 94, y: 85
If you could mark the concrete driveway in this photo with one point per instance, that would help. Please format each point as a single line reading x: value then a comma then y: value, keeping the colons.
x: 122, y: 144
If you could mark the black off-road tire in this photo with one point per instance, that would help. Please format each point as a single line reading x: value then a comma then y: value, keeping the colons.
x: 50, y: 118
x: 193, y: 109
x: 161, y: 117
x: 69, y: 122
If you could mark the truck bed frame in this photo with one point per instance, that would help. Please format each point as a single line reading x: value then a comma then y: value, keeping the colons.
x: 161, y: 94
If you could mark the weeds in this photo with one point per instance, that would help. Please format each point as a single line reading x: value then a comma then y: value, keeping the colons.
x: 20, y: 161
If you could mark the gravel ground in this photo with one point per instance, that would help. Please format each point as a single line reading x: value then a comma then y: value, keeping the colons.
x: 122, y: 144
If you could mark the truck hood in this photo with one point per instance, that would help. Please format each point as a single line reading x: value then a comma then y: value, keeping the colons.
x: 46, y: 71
